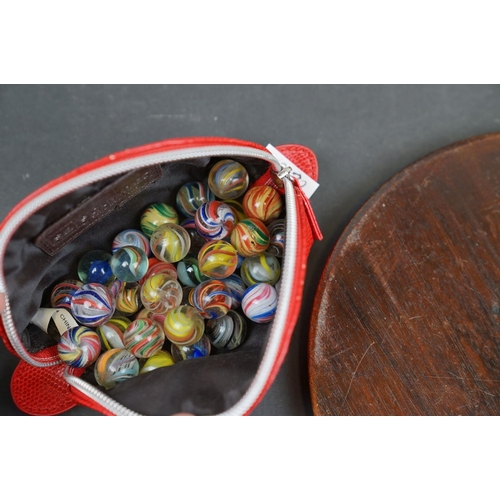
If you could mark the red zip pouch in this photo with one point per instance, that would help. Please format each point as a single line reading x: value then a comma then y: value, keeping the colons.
x: 43, y: 237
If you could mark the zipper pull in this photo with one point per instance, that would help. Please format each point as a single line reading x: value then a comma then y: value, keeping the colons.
x: 313, y: 222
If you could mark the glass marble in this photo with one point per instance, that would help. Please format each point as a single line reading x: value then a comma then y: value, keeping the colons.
x: 250, y: 237
x: 263, y: 203
x: 197, y: 240
x: 63, y: 292
x: 111, y: 333
x: 237, y: 209
x: 155, y: 216
x: 228, y: 179
x: 128, y: 299
x: 186, y: 292
x: 157, y: 266
x: 158, y: 360
x: 200, y: 349
x: 188, y: 271
x: 183, y: 325
x: 215, y: 220
x: 263, y: 268
x: 260, y: 302
x: 237, y: 288
x: 277, y: 230
x: 92, y: 305
x: 160, y: 293
x: 144, y: 338
x: 191, y: 196
x: 79, y: 347
x: 94, y: 267
x: 226, y: 333
x: 212, y: 298
x: 218, y: 259
x: 115, y: 366
x: 115, y: 286
x: 131, y: 238
x: 170, y: 243
x: 146, y: 313
x: 129, y: 264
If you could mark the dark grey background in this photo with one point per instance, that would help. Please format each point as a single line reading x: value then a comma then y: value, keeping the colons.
x: 362, y: 136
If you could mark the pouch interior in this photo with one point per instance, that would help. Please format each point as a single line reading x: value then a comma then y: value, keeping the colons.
x: 203, y: 386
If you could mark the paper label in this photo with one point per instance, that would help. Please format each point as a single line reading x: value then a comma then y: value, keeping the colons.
x: 307, y: 183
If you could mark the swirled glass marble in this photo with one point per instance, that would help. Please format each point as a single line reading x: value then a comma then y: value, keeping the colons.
x: 156, y: 215
x: 228, y: 332
x: 250, y: 237
x: 263, y: 203
x: 131, y: 238
x: 158, y: 360
x: 237, y: 209
x: 128, y: 299
x: 198, y: 350
x: 263, y: 268
x: 260, y: 302
x: 228, y: 179
x: 144, y: 337
x: 197, y: 240
x: 115, y: 366
x: 212, y: 298
x: 94, y: 267
x: 129, y: 264
x: 157, y: 266
x: 79, y: 347
x: 215, y: 220
x: 191, y: 196
x: 160, y: 293
x: 63, y: 292
x: 188, y: 271
x: 111, y: 333
x: 92, y: 305
x: 277, y: 231
x: 218, y: 259
x: 183, y: 325
x: 237, y: 288
x: 146, y: 313
x: 115, y: 286
x: 170, y: 243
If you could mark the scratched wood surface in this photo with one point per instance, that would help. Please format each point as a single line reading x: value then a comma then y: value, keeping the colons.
x: 407, y: 318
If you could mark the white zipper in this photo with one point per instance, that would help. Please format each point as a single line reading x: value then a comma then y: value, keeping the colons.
x: 121, y: 167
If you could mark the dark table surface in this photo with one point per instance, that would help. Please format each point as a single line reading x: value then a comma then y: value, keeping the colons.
x: 362, y: 136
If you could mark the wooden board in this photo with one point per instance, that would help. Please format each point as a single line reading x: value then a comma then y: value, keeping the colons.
x: 407, y: 317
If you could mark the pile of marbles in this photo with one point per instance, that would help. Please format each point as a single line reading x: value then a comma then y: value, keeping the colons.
x: 192, y: 275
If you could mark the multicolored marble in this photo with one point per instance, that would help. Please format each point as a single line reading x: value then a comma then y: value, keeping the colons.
x: 115, y: 366
x: 146, y: 313
x: 260, y: 302
x: 218, y: 259
x: 92, y: 305
x: 237, y: 287
x: 156, y: 215
x: 157, y: 266
x: 158, y: 360
x: 191, y: 196
x: 277, y: 232
x: 129, y: 264
x: 212, y: 298
x: 188, y: 271
x: 228, y: 179
x: 128, y: 299
x: 160, y: 293
x: 115, y: 286
x: 183, y: 325
x: 111, y: 333
x: 186, y: 292
x: 197, y: 240
x: 94, y: 267
x: 200, y: 349
x: 79, y: 347
x: 237, y: 209
x: 263, y: 203
x: 228, y: 332
x: 170, y: 243
x: 250, y: 237
x: 131, y: 238
x: 215, y: 220
x: 63, y: 292
x: 263, y: 268
x: 144, y: 338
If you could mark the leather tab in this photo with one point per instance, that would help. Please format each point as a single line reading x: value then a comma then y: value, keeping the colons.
x: 92, y: 210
